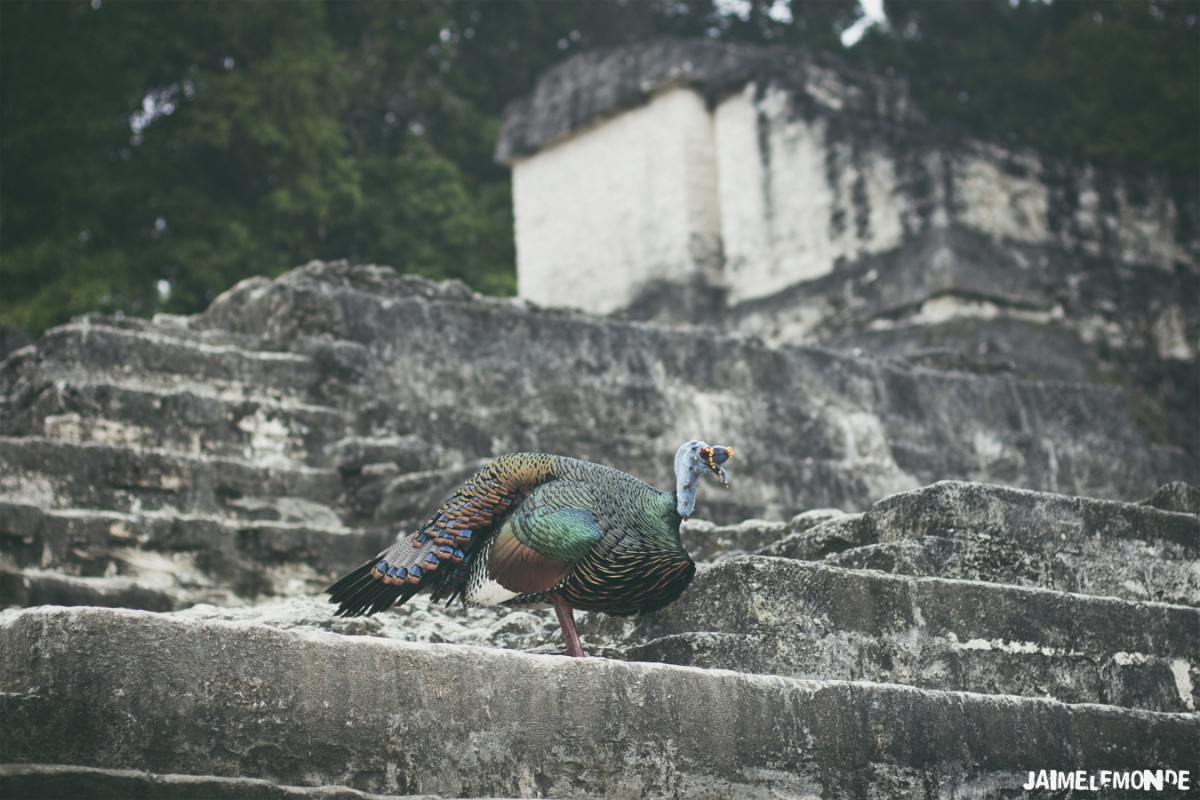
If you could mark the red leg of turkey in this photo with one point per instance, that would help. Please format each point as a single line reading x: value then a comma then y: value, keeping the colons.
x: 566, y: 619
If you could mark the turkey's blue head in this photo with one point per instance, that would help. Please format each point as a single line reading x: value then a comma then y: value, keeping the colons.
x: 691, y: 461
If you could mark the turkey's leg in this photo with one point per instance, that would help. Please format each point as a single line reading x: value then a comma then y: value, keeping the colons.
x: 566, y: 619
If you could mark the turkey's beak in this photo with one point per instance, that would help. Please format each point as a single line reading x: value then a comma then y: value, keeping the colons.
x: 715, y: 457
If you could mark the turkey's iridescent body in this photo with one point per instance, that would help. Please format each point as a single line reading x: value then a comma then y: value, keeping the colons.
x: 533, y: 528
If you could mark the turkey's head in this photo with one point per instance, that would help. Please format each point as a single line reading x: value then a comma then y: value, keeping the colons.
x: 691, y: 461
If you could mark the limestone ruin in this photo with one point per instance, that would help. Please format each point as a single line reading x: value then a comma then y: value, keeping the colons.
x: 962, y: 543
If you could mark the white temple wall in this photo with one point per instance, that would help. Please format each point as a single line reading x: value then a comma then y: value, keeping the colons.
x: 611, y: 208
x: 772, y: 187
x: 791, y: 203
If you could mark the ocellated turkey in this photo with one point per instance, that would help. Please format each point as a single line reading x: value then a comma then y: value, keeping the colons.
x: 535, y: 528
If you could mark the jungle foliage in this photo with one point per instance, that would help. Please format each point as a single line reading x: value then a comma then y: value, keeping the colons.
x: 153, y: 154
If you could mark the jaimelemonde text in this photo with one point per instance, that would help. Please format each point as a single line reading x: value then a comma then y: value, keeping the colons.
x: 1147, y: 780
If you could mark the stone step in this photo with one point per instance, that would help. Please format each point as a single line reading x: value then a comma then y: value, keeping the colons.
x: 162, y: 561
x: 303, y: 374
x: 1130, y: 570
x: 983, y: 532
x: 135, y: 349
x: 199, y: 420
x: 795, y: 618
x: 56, y: 474
x: 122, y: 690
x: 64, y: 781
x: 35, y: 587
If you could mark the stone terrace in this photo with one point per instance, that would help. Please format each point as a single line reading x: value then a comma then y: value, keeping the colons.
x: 206, y: 477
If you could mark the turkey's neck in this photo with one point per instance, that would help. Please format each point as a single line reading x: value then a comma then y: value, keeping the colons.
x: 687, y: 481
x: 671, y: 514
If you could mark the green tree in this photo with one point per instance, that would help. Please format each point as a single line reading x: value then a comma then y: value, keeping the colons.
x: 154, y: 153
x: 1115, y: 81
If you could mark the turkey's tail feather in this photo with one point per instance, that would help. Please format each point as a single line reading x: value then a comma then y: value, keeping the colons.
x: 361, y: 593
x: 452, y: 535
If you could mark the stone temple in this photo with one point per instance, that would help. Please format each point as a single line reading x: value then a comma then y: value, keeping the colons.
x: 962, y: 543
x: 776, y: 193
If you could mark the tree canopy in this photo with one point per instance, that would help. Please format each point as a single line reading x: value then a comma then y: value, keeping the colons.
x: 153, y: 154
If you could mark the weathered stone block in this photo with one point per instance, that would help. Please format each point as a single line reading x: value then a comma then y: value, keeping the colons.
x: 162, y: 560
x: 807, y: 620
x: 127, y: 690
x: 57, y: 782
x: 993, y: 533
x: 64, y: 475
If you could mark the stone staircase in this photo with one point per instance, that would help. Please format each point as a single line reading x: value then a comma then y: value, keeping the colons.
x: 963, y: 618
x: 204, y: 478
x: 155, y: 466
